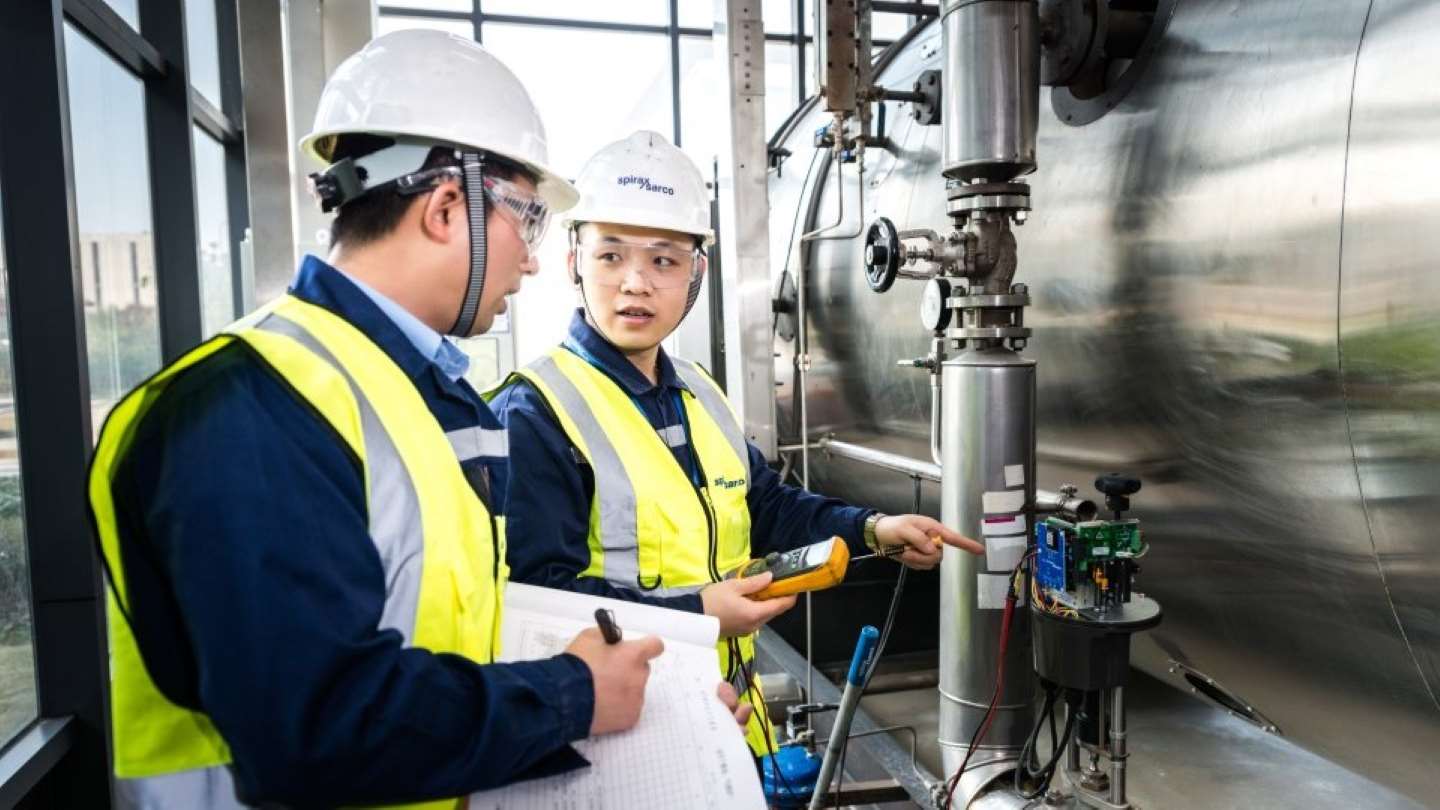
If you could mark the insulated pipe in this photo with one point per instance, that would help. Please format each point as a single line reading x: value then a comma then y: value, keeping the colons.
x: 989, y: 399
x: 990, y: 108
x: 879, y: 458
x: 1071, y: 507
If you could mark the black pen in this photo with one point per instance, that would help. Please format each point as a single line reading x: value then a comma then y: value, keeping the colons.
x: 608, y: 628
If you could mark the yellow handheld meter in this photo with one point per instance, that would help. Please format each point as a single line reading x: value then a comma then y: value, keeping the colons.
x: 809, y: 568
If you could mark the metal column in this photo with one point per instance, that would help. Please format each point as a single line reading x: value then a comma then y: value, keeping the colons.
x: 744, y: 219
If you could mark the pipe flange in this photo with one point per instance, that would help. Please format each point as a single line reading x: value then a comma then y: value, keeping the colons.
x: 990, y: 301
x: 955, y: 191
x: 989, y: 202
x: 1073, y: 109
x: 988, y: 332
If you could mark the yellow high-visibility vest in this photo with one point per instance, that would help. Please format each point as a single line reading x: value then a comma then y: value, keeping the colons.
x: 442, y: 549
x: 652, y: 529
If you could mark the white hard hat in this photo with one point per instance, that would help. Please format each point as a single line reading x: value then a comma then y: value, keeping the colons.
x: 643, y: 180
x: 434, y: 86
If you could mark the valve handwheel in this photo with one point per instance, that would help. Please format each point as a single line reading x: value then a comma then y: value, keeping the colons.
x: 882, y: 254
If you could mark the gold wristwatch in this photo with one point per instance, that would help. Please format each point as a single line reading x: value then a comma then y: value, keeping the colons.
x: 870, y: 523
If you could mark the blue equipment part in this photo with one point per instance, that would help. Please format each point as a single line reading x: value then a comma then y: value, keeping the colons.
x: 1050, y: 565
x: 799, y: 769
x: 864, y: 651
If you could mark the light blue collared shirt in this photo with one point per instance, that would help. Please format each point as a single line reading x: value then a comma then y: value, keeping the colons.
x: 443, y: 352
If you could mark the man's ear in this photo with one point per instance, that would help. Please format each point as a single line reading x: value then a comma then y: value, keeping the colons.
x: 440, y: 216
x: 572, y: 266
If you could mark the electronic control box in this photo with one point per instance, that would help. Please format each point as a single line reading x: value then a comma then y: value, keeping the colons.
x: 1088, y: 565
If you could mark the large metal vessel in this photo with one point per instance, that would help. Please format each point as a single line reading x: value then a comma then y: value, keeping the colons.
x: 1235, y: 276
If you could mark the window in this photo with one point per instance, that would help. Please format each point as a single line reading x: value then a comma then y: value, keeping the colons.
x: 17, y: 652
x: 202, y: 48
x: 112, y: 201
x: 426, y: 5
x: 390, y: 23
x: 129, y: 11
x: 94, y: 138
x: 779, y: 15
x: 638, y: 12
x: 595, y: 82
x: 888, y: 27
x: 701, y: 125
x: 217, y: 288
x: 614, y: 84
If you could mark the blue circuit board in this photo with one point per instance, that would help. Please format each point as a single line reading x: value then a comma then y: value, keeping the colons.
x: 1050, y: 567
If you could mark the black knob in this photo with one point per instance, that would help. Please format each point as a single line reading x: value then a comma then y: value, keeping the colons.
x: 882, y: 254
x: 1117, y: 484
x: 1117, y: 489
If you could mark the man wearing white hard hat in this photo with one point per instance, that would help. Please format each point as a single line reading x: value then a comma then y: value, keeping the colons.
x: 632, y: 477
x: 301, y: 517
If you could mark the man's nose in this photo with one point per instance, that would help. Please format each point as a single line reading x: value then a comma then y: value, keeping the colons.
x: 635, y: 279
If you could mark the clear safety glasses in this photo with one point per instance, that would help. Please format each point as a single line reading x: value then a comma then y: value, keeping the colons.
x: 607, y: 263
x: 526, y: 211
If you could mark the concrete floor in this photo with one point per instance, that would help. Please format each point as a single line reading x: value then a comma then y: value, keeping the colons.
x: 1187, y: 754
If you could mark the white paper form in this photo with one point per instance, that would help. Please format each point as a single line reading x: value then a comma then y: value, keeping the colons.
x: 686, y: 751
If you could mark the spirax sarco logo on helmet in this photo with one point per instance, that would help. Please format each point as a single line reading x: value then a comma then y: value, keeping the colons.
x: 644, y: 184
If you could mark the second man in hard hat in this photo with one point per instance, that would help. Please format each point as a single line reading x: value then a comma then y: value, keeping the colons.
x: 633, y: 478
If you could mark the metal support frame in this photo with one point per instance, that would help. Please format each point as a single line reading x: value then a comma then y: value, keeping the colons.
x: 745, y: 217
x: 674, y: 32
x: 169, y: 114
x: 52, y: 397
x: 319, y: 35
x: 267, y: 151
x: 116, y: 37
x: 237, y: 189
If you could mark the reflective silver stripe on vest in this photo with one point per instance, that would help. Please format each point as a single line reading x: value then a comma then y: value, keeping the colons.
x: 672, y: 436
x: 714, y: 405
x: 392, y: 502
x: 211, y: 788
x: 479, y: 442
x: 677, y: 590
x: 614, y: 492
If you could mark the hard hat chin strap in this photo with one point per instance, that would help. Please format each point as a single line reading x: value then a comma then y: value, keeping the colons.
x: 472, y: 167
x: 693, y: 294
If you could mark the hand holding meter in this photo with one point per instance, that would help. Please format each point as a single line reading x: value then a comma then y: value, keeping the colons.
x: 809, y: 568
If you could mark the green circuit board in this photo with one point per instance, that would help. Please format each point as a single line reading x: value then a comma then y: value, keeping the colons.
x: 1072, y: 559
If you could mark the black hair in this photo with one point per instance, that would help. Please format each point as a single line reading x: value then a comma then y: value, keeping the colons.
x: 376, y: 215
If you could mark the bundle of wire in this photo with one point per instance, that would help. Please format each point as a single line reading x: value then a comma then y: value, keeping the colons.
x: 1053, y: 606
x: 757, y: 705
x: 1011, y: 596
x: 1041, y: 776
